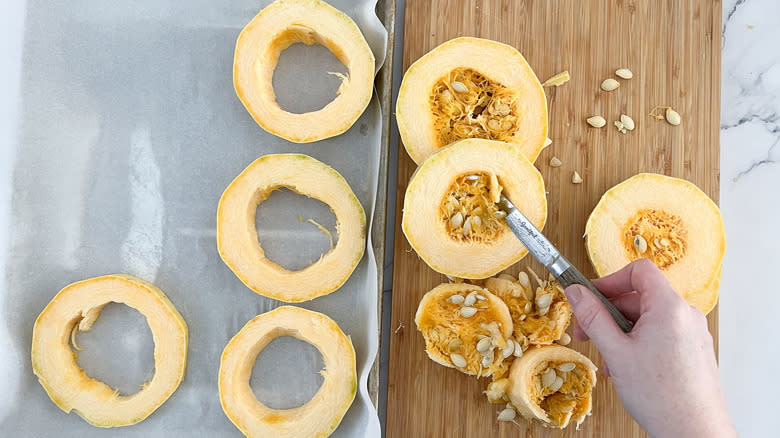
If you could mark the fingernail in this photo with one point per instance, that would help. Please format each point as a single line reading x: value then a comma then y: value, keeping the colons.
x: 573, y: 294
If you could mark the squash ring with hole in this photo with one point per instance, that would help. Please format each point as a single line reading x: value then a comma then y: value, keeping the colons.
x: 471, y: 88
x: 680, y: 227
x: 77, y: 307
x: 237, y: 236
x: 275, y: 28
x: 318, y: 417
x: 450, y: 215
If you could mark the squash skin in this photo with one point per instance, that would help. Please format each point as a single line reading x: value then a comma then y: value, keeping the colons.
x: 696, y: 277
x: 67, y: 384
x: 497, y: 61
x: 318, y: 417
x: 237, y: 237
x: 523, y: 185
x: 276, y: 27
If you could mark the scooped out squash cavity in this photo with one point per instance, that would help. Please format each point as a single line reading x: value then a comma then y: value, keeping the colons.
x: 471, y: 88
x: 450, y: 215
x: 318, y: 417
x: 76, y: 308
x: 276, y: 27
x: 237, y: 236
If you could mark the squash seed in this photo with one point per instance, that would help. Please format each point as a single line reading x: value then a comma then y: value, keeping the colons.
x: 596, y: 121
x: 455, y: 344
x: 459, y: 87
x: 518, y: 349
x: 458, y: 360
x: 544, y: 300
x: 507, y: 414
x: 470, y: 299
x: 472, y: 177
x: 640, y: 244
x: 523, y: 279
x: 665, y: 241
x: 456, y: 299
x: 467, y: 226
x: 567, y: 366
x: 628, y: 122
x: 673, y: 117
x: 467, y: 312
x: 487, y: 359
x: 556, y: 384
x: 576, y: 178
x: 543, y: 311
x: 555, y: 162
x: 494, y: 124
x: 480, y: 297
x: 548, y: 378
x: 456, y: 220
x: 484, y: 345
x: 510, y: 348
x: 557, y: 80
x: 624, y: 73
x: 565, y: 339
x: 476, y: 221
x: 609, y: 84
x: 499, y: 214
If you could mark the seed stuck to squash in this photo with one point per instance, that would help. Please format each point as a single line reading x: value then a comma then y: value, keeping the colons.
x: 471, y: 88
x: 275, y: 28
x: 552, y: 384
x: 318, y: 417
x: 76, y: 308
x: 237, y: 236
x: 667, y: 220
x: 450, y: 217
x: 450, y: 336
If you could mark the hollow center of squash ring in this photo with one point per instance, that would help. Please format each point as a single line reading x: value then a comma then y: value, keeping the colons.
x: 309, y: 72
x: 562, y: 390
x: 663, y: 237
x: 285, y: 219
x: 286, y: 373
x: 118, y: 349
x: 467, y: 104
x: 469, y: 209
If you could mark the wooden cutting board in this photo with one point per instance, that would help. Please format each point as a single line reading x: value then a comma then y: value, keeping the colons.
x: 673, y: 49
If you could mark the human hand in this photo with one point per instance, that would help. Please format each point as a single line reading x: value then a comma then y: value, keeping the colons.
x: 664, y: 370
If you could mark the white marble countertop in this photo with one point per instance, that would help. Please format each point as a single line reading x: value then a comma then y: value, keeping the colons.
x: 749, y: 200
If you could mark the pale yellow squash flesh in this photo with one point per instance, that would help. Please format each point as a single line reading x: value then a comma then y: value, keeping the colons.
x: 427, y: 230
x: 286, y: 22
x: 318, y: 417
x: 79, y: 304
x: 693, y: 265
x: 500, y: 64
x: 527, y: 393
x: 237, y: 236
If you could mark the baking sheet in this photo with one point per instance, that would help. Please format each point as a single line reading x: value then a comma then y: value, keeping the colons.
x: 124, y: 132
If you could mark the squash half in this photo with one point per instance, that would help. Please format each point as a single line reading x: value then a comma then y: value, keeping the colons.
x: 471, y: 88
x: 452, y: 336
x: 237, y: 236
x: 450, y: 215
x: 318, y: 417
x: 77, y: 307
x: 667, y: 220
x: 275, y: 28
x: 552, y: 384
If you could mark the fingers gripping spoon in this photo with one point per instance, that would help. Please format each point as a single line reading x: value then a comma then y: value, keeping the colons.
x: 551, y: 258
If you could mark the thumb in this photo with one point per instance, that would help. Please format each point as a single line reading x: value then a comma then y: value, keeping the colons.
x: 594, y: 319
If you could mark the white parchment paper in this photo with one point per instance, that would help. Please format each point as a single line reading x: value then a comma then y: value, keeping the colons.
x: 120, y: 131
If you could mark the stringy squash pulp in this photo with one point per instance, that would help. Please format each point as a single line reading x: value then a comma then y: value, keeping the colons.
x: 318, y: 417
x: 450, y: 215
x: 667, y: 220
x: 275, y: 28
x: 471, y: 88
x: 76, y: 308
x: 237, y: 236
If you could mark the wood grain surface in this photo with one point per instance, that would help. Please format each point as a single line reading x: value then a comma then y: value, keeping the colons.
x: 673, y: 49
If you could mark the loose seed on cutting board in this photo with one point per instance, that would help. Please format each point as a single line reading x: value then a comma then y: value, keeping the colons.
x: 596, y: 121
x: 507, y: 414
x: 673, y: 117
x: 627, y: 122
x: 624, y: 73
x: 557, y: 80
x: 565, y: 339
x: 555, y: 162
x: 609, y: 84
x: 576, y: 178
